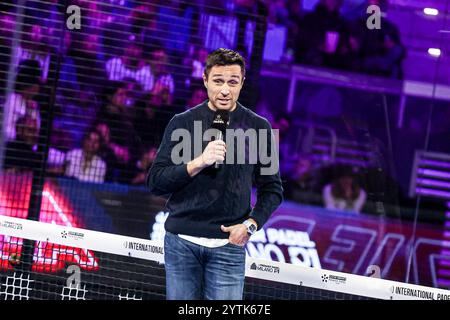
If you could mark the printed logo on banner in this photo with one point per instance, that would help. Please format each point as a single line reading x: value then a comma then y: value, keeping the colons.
x: 420, y: 294
x: 334, y: 279
x: 265, y: 268
x: 72, y: 235
x: 143, y: 247
x: 11, y: 225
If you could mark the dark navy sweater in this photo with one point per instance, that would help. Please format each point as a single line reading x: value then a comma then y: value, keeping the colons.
x: 199, y: 205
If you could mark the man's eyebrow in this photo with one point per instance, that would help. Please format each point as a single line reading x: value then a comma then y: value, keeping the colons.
x: 221, y: 75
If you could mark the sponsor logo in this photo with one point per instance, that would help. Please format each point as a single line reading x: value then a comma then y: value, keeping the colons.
x: 143, y: 247
x: 72, y: 235
x: 334, y: 279
x: 265, y: 268
x: 11, y: 225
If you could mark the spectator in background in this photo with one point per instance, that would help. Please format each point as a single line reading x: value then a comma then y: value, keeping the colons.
x: 22, y: 101
x: 141, y: 167
x: 85, y: 164
x: 164, y: 82
x: 344, y: 193
x: 49, y: 14
x: 68, y: 82
x: 283, y: 124
x: 173, y: 25
x: 199, y: 63
x: 116, y: 156
x: 20, y: 153
x: 34, y: 46
x: 198, y: 96
x: 152, y: 117
x: 85, y: 53
x: 131, y: 65
x: 302, y: 179
x: 321, y: 36
x: 119, y: 114
x: 380, y: 51
x: 74, y: 116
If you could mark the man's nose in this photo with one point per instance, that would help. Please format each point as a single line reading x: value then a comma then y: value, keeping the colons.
x: 225, y: 90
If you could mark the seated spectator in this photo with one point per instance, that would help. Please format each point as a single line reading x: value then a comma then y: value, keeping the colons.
x: 131, y: 65
x: 85, y: 164
x: 22, y: 101
x: 321, y: 36
x: 344, y: 193
x: 140, y: 170
x: 21, y: 153
x: 152, y: 117
x: 303, y: 180
x: 116, y: 156
x: 120, y: 110
x: 164, y: 82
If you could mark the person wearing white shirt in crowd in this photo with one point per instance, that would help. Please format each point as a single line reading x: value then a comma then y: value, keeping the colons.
x: 131, y: 65
x: 344, y: 193
x: 20, y: 102
x: 84, y: 164
x: 163, y: 79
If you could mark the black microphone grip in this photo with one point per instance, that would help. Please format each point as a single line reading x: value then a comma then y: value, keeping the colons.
x: 218, y: 163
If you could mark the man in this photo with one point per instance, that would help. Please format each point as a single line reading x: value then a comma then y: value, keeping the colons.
x: 210, y: 217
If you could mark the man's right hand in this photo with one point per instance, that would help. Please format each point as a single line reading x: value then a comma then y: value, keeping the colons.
x: 214, y: 151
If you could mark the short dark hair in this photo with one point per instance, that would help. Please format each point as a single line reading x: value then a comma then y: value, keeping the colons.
x: 28, y: 74
x: 224, y: 57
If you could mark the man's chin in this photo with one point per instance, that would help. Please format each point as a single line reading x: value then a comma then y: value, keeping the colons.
x: 227, y: 106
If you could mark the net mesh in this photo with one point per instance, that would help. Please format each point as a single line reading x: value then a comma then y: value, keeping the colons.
x: 68, y: 273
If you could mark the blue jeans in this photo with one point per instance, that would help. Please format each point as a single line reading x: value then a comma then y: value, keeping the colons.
x: 195, y: 272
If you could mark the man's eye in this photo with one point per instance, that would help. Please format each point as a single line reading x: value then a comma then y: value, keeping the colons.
x: 218, y: 81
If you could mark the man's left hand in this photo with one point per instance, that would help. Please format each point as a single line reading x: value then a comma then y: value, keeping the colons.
x: 238, y: 234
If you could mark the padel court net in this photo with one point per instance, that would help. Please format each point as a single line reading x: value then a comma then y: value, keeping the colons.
x: 47, y: 261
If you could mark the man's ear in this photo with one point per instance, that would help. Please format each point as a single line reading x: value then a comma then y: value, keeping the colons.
x: 205, y: 81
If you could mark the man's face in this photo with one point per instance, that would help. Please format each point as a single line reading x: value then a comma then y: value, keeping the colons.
x: 224, y: 84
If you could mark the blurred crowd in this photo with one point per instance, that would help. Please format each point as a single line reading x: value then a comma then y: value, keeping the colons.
x: 117, y: 82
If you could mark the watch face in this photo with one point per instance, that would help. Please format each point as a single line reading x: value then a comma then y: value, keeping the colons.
x: 252, y: 228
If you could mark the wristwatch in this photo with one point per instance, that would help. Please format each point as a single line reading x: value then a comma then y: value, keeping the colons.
x: 251, y: 227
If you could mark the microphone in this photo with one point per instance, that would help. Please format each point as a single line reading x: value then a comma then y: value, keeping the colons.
x: 220, y: 123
